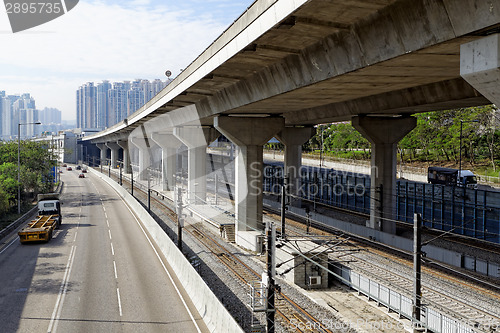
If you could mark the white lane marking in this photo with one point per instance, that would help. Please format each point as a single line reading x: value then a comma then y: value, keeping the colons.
x: 104, y: 208
x: 116, y: 274
x: 5, y: 248
x: 64, y: 294
x: 106, y: 215
x: 62, y: 291
x: 109, y: 232
x: 119, y: 301
x: 112, y: 249
x: 76, y: 233
x: 107, y: 222
x: 165, y: 268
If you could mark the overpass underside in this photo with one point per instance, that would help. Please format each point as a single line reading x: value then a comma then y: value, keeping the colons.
x: 284, y: 66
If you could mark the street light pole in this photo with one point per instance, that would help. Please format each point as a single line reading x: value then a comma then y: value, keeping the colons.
x: 18, y: 168
x: 460, y: 163
x: 321, y: 151
x: 19, y: 163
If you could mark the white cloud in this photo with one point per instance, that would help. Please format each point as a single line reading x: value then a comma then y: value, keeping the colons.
x: 97, y: 41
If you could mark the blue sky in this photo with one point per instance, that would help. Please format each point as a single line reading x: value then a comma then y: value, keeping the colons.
x: 113, y: 40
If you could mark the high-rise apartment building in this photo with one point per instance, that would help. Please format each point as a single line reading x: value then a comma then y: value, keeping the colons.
x: 50, y: 116
x: 118, y: 102
x: 106, y: 104
x: 24, y: 112
x: 21, y: 109
x: 86, y: 106
x: 136, y: 97
x: 103, y: 104
x: 9, y: 119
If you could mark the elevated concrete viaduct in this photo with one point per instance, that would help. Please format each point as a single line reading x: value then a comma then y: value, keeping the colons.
x: 305, y: 62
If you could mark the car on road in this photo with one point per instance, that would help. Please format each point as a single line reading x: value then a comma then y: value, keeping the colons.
x: 69, y: 168
x: 78, y: 167
x: 64, y: 165
x: 84, y: 170
x: 81, y: 175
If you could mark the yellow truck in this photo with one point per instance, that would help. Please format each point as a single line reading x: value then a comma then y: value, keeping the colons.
x: 49, y: 218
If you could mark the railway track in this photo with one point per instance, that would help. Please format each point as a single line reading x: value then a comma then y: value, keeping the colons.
x: 468, y: 308
x: 289, y: 313
x: 471, y: 277
x: 475, y: 306
x: 438, y: 299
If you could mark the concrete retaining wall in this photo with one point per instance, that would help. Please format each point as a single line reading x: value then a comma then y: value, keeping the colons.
x: 213, y: 312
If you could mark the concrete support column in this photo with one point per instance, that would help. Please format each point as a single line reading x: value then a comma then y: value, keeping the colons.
x: 197, y: 139
x: 144, y: 155
x: 480, y: 66
x: 384, y: 133
x: 293, y: 138
x: 115, y: 149
x: 126, y: 156
x: 104, y: 152
x: 169, y: 144
x: 249, y: 134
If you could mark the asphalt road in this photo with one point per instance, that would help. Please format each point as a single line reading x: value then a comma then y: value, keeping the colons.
x: 100, y: 273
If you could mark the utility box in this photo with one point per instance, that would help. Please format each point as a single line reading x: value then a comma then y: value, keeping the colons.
x: 309, y: 275
x: 293, y: 266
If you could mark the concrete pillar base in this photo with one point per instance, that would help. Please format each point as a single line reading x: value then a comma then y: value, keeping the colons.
x: 384, y: 133
x: 115, y: 148
x: 293, y: 138
x: 196, y: 138
x: 104, y: 153
x: 249, y: 134
x: 127, y: 167
x: 144, y: 156
x: 169, y: 144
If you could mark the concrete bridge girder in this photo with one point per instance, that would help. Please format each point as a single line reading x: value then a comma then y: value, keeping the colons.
x: 375, y: 70
x: 480, y: 66
x: 249, y: 134
x: 196, y: 138
x: 384, y: 133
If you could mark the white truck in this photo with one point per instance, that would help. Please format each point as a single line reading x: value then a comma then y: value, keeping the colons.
x: 49, y: 218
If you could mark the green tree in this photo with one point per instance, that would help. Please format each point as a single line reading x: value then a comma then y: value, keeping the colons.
x: 8, y: 181
x: 36, y: 162
x: 4, y: 202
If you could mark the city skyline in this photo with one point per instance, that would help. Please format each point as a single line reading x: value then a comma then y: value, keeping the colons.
x: 126, y: 40
x: 21, y: 108
x: 104, y: 104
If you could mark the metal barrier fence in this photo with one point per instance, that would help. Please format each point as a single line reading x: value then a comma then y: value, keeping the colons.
x: 469, y: 212
x: 434, y: 318
x: 338, y: 189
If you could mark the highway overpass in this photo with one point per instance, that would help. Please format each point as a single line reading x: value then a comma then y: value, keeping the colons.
x: 284, y: 66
